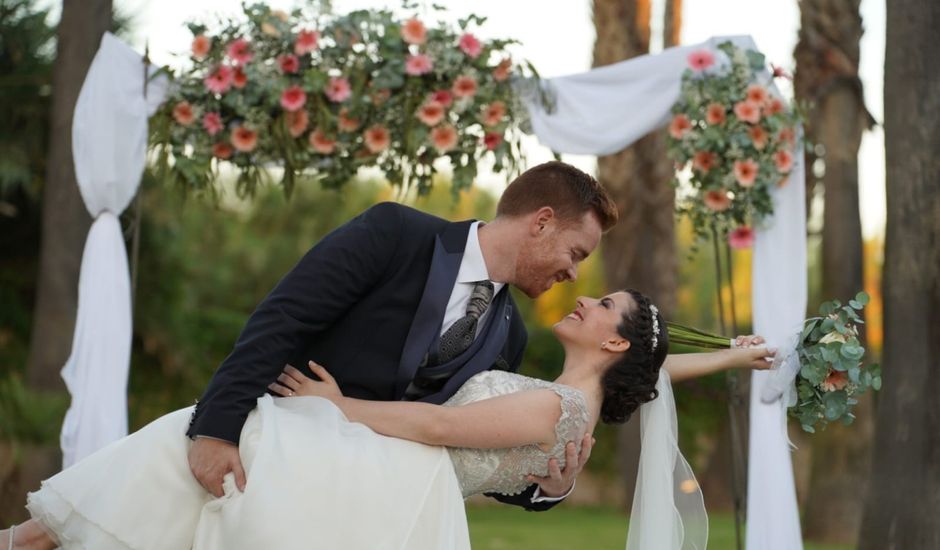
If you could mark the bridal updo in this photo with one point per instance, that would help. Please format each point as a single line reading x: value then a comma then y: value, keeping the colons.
x: 631, y: 381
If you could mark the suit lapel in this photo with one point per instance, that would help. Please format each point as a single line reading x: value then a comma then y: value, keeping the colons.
x: 449, y: 246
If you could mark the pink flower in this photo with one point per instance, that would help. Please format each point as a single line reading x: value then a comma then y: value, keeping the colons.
x: 783, y: 160
x: 780, y: 73
x: 492, y: 140
x: 307, y: 41
x: 494, y: 113
x: 244, y: 139
x: 774, y: 106
x: 239, y: 51
x: 745, y: 171
x: 321, y: 143
x: 444, y: 138
x: 787, y: 135
x: 464, y: 86
x: 431, y: 113
x: 417, y: 65
x: 212, y: 122
x: 758, y: 136
x: 201, y: 46
x: 219, y: 80
x: 338, y: 90
x: 413, y: 31
x: 836, y: 380
x: 501, y: 72
x: 297, y: 122
x: 288, y: 63
x: 717, y: 201
x: 715, y: 114
x: 443, y: 97
x: 741, y: 237
x: 704, y: 160
x: 700, y: 60
x: 470, y: 45
x: 293, y: 98
x: 222, y: 150
x: 747, y: 111
x: 679, y: 126
x: 183, y: 113
x: 239, y: 79
x: 757, y: 94
x: 377, y: 138
x: 346, y: 123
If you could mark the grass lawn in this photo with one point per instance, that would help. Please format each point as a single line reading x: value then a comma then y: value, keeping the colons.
x: 507, y: 527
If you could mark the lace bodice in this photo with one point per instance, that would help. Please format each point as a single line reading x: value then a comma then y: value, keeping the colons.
x: 504, y: 470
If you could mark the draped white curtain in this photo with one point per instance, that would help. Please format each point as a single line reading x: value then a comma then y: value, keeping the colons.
x: 606, y: 109
x: 109, y: 145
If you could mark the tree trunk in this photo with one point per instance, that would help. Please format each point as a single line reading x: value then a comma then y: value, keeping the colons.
x: 640, y: 252
x: 65, y: 221
x: 827, y: 78
x: 902, y: 504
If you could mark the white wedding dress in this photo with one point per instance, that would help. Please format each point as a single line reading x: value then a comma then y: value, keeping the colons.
x: 315, y: 480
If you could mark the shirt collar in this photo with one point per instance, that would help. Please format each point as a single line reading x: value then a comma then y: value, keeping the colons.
x: 472, y: 265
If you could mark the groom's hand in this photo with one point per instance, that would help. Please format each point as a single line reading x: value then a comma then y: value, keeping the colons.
x: 558, y: 482
x: 210, y: 459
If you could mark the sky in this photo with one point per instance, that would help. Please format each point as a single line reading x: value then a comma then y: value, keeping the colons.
x: 557, y: 36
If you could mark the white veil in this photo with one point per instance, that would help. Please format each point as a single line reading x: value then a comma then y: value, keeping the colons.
x: 668, y: 510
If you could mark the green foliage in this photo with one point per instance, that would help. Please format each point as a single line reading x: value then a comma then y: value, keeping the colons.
x: 27, y: 416
x: 832, y: 374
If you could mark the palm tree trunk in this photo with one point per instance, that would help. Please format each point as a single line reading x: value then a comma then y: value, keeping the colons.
x: 904, y: 496
x: 65, y: 221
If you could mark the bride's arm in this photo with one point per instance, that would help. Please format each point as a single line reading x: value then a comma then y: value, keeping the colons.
x: 685, y: 366
x: 522, y: 418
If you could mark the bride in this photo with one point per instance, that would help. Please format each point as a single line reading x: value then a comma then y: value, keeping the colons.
x: 327, y: 471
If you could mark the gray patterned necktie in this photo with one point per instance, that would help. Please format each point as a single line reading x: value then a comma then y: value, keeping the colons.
x: 460, y: 335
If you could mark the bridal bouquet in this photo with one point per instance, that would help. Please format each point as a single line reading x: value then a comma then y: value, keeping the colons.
x: 734, y: 140
x: 335, y: 93
x: 822, y: 375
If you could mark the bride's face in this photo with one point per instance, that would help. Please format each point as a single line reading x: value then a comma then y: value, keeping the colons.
x: 593, y: 323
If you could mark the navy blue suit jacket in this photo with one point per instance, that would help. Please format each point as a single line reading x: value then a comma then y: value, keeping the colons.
x: 354, y: 303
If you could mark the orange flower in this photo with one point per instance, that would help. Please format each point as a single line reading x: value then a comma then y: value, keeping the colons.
x: 745, y: 171
x: 183, y: 113
x: 758, y: 136
x: 297, y: 122
x: 715, y: 114
x: 757, y: 94
x: 747, y: 111
x: 836, y: 380
x: 501, y: 72
x: 783, y: 160
x: 742, y: 237
x: 201, y: 46
x: 413, y: 31
x: 380, y: 96
x: 222, y: 150
x: 465, y: 86
x: 494, y: 113
x: 244, y: 139
x: 718, y: 201
x: 239, y: 78
x: 377, y: 138
x: 679, y: 126
x: 787, y: 135
x: 444, y: 138
x: 705, y: 160
x: 321, y: 143
x: 431, y: 113
x: 774, y: 106
x: 346, y: 123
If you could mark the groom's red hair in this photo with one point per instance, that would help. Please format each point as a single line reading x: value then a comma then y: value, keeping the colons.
x: 567, y: 190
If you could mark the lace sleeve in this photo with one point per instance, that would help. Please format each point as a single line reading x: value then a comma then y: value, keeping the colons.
x: 573, y: 420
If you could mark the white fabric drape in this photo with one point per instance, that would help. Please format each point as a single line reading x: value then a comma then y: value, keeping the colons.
x: 604, y: 110
x: 109, y: 145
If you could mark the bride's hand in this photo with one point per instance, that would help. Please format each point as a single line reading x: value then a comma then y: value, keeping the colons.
x: 291, y: 383
x: 747, y: 355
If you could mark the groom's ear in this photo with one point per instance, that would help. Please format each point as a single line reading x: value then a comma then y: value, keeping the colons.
x: 542, y: 220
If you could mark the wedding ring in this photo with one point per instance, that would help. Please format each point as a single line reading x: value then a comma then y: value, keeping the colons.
x: 290, y: 394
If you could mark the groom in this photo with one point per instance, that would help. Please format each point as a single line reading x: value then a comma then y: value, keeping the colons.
x: 399, y: 304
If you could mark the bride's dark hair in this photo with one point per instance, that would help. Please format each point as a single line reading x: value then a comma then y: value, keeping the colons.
x: 631, y: 381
